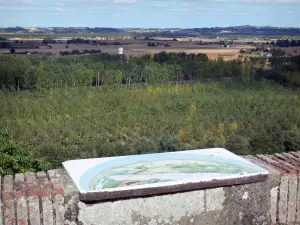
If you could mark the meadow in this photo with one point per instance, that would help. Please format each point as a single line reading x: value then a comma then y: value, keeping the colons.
x: 62, y: 124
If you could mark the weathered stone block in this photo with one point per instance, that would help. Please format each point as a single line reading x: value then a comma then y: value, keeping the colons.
x: 241, y: 204
x: 292, y: 198
x: 46, y: 198
x: 1, y: 218
x: 9, y: 213
x: 20, y: 196
x: 33, y: 199
x: 283, y: 199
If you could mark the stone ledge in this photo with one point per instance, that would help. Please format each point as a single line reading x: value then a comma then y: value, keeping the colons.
x: 52, y: 198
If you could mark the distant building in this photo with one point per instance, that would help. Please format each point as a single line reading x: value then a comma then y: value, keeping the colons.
x: 49, y: 41
x: 265, y: 54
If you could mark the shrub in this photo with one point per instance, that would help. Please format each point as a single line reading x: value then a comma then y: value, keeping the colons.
x: 215, y: 142
x: 169, y: 143
x: 15, y: 158
x: 290, y: 141
x: 145, y: 145
x: 263, y: 144
x: 277, y: 77
x: 113, y: 148
x: 237, y: 144
x: 56, y: 154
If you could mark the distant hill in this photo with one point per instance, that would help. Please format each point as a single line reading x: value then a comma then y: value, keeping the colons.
x: 103, y: 30
x: 244, y: 30
x: 237, y: 30
x: 61, y: 30
x: 13, y: 29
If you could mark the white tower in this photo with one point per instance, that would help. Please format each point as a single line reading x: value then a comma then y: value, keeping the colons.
x: 120, y: 51
x: 121, y: 55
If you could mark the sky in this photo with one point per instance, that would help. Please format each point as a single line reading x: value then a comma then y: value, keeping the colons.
x: 149, y: 13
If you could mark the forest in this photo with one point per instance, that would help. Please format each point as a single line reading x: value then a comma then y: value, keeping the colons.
x: 54, y: 109
x: 287, y: 43
x: 43, y: 72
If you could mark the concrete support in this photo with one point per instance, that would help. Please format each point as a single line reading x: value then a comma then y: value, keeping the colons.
x: 166, y: 209
x: 214, y: 199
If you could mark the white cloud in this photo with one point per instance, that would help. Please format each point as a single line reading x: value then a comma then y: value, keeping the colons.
x: 95, y: 1
x: 18, y: 9
x: 278, y: 1
x: 158, y: 5
x: 259, y: 1
x: 60, y: 4
x: 240, y: 13
x: 289, y: 12
x: 125, y: 1
x: 60, y: 10
x: 25, y: 2
x: 230, y: 0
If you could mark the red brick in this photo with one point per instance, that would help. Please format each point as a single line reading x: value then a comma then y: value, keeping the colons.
x: 21, y: 203
x: 33, y: 192
x: 272, y: 162
x: 289, y: 160
x: 46, y: 195
x: 289, y: 167
x: 58, y: 191
x: 33, y: 199
x: 8, y: 201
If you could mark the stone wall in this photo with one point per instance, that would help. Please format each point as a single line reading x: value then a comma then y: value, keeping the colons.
x: 52, y: 198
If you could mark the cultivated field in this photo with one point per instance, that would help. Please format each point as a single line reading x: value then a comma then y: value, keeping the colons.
x: 291, y: 50
x: 139, y: 47
x: 212, y: 52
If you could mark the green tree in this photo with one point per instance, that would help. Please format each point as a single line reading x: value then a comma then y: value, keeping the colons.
x: 99, y: 69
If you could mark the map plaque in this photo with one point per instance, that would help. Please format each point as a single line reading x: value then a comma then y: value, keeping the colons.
x: 161, y: 173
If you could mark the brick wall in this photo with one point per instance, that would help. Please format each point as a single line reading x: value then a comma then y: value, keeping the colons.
x: 52, y: 198
x: 285, y: 197
x: 36, y: 199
